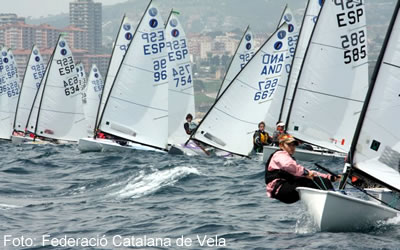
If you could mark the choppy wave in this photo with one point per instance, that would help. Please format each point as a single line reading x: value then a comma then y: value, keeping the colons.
x: 59, y: 191
x: 145, y: 184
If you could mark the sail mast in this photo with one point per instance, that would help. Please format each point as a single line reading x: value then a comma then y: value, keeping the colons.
x: 44, y: 86
x: 302, y: 65
x: 119, y: 68
x: 105, y: 79
x: 22, y: 85
x: 230, y: 64
x: 291, y: 65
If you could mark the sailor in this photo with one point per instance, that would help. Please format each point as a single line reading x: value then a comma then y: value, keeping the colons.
x: 280, y: 129
x: 260, y: 138
x: 189, y: 125
x: 283, y: 174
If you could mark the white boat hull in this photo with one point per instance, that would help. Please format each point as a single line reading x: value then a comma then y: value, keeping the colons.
x: 17, y: 139
x: 102, y: 145
x: 335, y: 212
x: 303, y: 155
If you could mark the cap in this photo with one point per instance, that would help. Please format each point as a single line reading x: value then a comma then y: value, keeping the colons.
x: 281, y: 124
x: 286, y: 138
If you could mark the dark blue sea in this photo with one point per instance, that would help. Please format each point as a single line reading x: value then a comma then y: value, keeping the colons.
x: 54, y: 197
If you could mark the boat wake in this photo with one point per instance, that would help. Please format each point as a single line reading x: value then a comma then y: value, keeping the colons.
x: 143, y: 184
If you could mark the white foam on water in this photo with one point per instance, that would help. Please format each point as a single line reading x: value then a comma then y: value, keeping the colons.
x: 145, y: 184
x: 8, y: 206
x: 394, y: 220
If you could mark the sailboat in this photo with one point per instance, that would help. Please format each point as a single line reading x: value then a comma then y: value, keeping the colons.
x: 374, y: 155
x: 92, y: 98
x: 230, y: 123
x: 135, y: 115
x: 326, y: 105
x: 59, y: 117
x: 9, y: 93
x: 34, y: 72
x: 124, y: 38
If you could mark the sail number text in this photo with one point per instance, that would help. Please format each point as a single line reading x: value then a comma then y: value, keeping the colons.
x: 355, y: 43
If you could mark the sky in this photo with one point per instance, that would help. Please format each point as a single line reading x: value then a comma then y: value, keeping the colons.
x: 38, y: 8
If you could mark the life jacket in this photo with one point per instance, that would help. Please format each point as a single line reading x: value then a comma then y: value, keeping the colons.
x: 276, y: 174
x: 192, y: 126
x: 263, y: 137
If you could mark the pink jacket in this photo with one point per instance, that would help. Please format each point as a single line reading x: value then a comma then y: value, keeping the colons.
x: 283, y: 161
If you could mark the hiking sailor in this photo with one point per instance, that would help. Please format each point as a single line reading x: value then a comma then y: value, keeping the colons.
x: 283, y: 174
x: 189, y: 125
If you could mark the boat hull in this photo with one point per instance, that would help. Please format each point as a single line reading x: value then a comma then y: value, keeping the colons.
x: 16, y: 139
x: 303, y: 155
x: 335, y: 212
x: 103, y: 145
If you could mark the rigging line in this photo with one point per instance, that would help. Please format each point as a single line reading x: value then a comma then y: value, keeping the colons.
x: 336, y: 96
x: 393, y: 65
x: 138, y: 104
x: 252, y: 123
x: 327, y: 45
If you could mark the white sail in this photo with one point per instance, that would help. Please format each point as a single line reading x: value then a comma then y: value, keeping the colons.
x: 310, y: 18
x: 232, y: 120
x: 80, y: 70
x: 244, y: 53
x: 33, y: 75
x: 333, y: 80
x: 61, y: 113
x: 137, y: 107
x: 33, y: 114
x: 121, y: 45
x: 5, y: 118
x: 92, y: 100
x: 180, y: 90
x: 293, y: 33
x: 13, y: 84
x: 377, y: 150
x: 9, y: 92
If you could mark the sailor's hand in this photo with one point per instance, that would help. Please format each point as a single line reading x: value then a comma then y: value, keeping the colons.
x: 336, y: 178
x: 310, y: 175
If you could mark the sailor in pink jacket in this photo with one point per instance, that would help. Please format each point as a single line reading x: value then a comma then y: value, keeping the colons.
x: 283, y: 175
